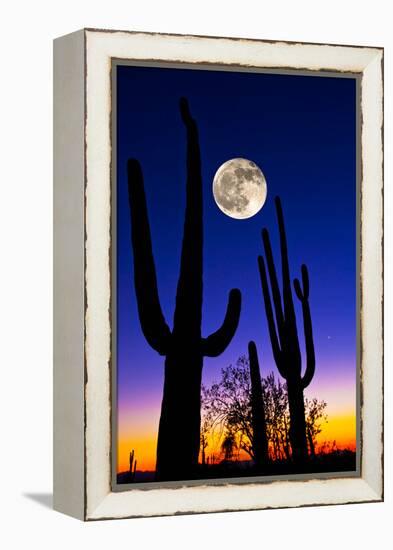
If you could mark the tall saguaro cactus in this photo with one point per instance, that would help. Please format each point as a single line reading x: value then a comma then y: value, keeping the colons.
x: 183, y: 346
x: 259, y: 442
x: 284, y: 336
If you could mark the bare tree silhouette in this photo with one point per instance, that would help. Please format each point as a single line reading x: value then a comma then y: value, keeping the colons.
x: 277, y: 418
x: 227, y: 406
x: 205, y: 427
x: 183, y: 347
x: 284, y: 336
x: 315, y: 414
x: 227, y: 409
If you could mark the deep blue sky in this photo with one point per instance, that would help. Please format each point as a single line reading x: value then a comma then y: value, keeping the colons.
x: 301, y: 131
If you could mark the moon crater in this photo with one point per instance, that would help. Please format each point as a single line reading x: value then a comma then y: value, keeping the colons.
x: 239, y: 188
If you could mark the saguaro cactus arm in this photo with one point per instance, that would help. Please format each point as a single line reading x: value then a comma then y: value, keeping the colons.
x: 153, y: 324
x: 277, y: 354
x: 289, y: 311
x: 307, y: 323
x: 286, y: 321
x: 217, y: 342
x: 302, y: 294
x: 274, y: 283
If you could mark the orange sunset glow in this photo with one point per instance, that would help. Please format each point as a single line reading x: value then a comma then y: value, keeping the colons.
x: 340, y: 428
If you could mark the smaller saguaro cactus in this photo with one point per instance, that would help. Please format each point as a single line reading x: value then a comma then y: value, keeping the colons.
x: 259, y: 443
x: 204, y: 445
x: 133, y: 463
x: 284, y: 336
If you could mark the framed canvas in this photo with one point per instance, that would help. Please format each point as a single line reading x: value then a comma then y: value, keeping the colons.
x: 218, y: 266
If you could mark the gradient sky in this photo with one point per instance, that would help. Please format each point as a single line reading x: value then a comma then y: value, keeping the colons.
x: 301, y: 132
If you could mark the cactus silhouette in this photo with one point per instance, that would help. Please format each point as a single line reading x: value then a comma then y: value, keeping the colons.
x: 259, y: 442
x: 284, y: 336
x: 183, y: 346
x: 133, y: 463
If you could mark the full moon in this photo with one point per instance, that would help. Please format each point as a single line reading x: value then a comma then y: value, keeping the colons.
x: 239, y: 188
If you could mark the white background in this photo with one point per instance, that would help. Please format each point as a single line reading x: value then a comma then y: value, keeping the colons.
x: 28, y: 28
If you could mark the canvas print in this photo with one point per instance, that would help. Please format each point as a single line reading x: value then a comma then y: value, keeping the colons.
x: 235, y: 274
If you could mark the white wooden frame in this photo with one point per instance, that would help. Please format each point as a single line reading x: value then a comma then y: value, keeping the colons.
x: 82, y: 242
